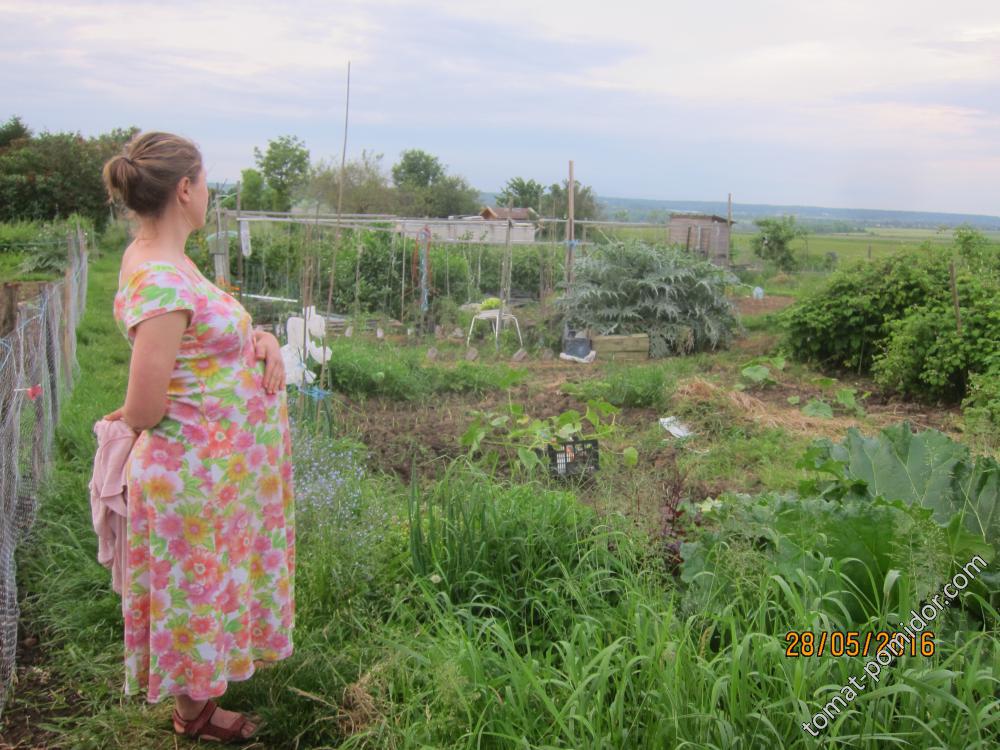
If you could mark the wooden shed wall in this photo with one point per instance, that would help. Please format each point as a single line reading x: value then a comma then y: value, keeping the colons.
x: 704, y: 236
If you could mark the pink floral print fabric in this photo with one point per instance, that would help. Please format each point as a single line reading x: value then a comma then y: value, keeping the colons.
x: 209, y: 579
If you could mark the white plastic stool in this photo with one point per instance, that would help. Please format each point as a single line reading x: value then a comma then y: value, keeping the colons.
x: 493, y: 316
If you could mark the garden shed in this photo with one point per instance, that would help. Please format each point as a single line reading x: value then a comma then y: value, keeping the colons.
x: 704, y: 234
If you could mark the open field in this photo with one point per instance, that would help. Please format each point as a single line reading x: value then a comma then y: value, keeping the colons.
x: 848, y: 247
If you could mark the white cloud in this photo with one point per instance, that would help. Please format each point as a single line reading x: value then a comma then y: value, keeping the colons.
x: 913, y: 79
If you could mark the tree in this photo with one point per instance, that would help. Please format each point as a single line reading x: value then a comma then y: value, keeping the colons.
x: 255, y: 193
x: 773, y: 241
x: 366, y: 185
x: 451, y: 195
x: 521, y: 193
x: 284, y: 166
x: 13, y: 130
x: 424, y: 188
x: 416, y: 169
x: 556, y: 202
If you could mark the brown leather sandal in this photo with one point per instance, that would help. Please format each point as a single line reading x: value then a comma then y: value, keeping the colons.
x: 200, y: 726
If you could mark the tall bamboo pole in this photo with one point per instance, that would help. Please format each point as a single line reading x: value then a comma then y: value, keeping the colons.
x: 340, y: 205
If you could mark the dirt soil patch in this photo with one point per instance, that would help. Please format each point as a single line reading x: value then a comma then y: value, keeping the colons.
x: 397, y: 433
x: 751, y: 306
x: 35, y: 697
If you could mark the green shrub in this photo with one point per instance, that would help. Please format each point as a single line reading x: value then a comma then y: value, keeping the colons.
x: 981, y: 406
x: 773, y: 242
x: 895, y: 318
x: 116, y: 237
x: 925, y: 355
x: 15, y: 235
x: 845, y: 323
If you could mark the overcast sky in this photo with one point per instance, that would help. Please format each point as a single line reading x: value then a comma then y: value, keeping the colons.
x: 891, y: 104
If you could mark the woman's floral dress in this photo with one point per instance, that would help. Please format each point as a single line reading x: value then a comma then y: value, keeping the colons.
x: 209, y: 580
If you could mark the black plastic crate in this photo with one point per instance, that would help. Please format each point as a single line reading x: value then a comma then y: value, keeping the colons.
x: 577, y: 458
x: 576, y: 345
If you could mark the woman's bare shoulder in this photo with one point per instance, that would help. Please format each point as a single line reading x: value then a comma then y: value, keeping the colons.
x: 133, y: 258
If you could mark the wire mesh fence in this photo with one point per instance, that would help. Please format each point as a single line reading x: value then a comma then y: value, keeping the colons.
x: 38, y: 367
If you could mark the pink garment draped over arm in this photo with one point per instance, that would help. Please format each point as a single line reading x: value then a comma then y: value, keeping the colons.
x: 108, y: 494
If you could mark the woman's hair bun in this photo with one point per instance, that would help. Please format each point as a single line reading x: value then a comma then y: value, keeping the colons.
x: 145, y: 173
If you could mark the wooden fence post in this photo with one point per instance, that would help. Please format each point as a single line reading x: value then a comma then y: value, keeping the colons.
x: 8, y: 307
x: 954, y: 299
x: 68, y: 312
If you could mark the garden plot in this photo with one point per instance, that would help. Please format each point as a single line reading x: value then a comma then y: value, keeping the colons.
x: 742, y: 429
x: 481, y: 603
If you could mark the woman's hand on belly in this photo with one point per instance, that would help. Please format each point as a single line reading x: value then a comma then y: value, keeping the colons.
x: 267, y: 348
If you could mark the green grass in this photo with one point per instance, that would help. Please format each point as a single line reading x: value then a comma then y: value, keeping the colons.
x: 469, y: 612
x: 364, y: 368
x: 640, y: 386
x: 848, y: 247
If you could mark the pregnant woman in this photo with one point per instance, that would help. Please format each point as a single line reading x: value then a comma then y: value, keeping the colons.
x: 209, y: 578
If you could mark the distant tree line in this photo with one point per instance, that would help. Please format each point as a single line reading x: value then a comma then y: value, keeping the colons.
x: 418, y: 184
x: 46, y: 176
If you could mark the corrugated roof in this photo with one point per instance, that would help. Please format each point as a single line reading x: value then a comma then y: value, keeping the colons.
x: 696, y: 215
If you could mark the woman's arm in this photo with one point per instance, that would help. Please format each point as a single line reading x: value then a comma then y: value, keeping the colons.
x: 154, y: 355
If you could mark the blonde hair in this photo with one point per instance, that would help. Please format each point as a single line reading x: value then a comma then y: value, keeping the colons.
x: 145, y: 173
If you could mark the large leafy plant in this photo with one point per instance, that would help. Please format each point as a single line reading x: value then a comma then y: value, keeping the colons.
x: 884, y: 522
x: 632, y: 287
x: 927, y: 469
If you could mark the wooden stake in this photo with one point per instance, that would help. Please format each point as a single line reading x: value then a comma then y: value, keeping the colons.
x: 402, y: 280
x: 340, y: 205
x: 541, y: 279
x: 570, y: 197
x: 504, y: 283
x: 222, y: 247
x: 954, y: 298
x: 571, y: 190
x: 8, y: 306
x: 239, y: 258
x: 357, y: 278
x: 68, y: 314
